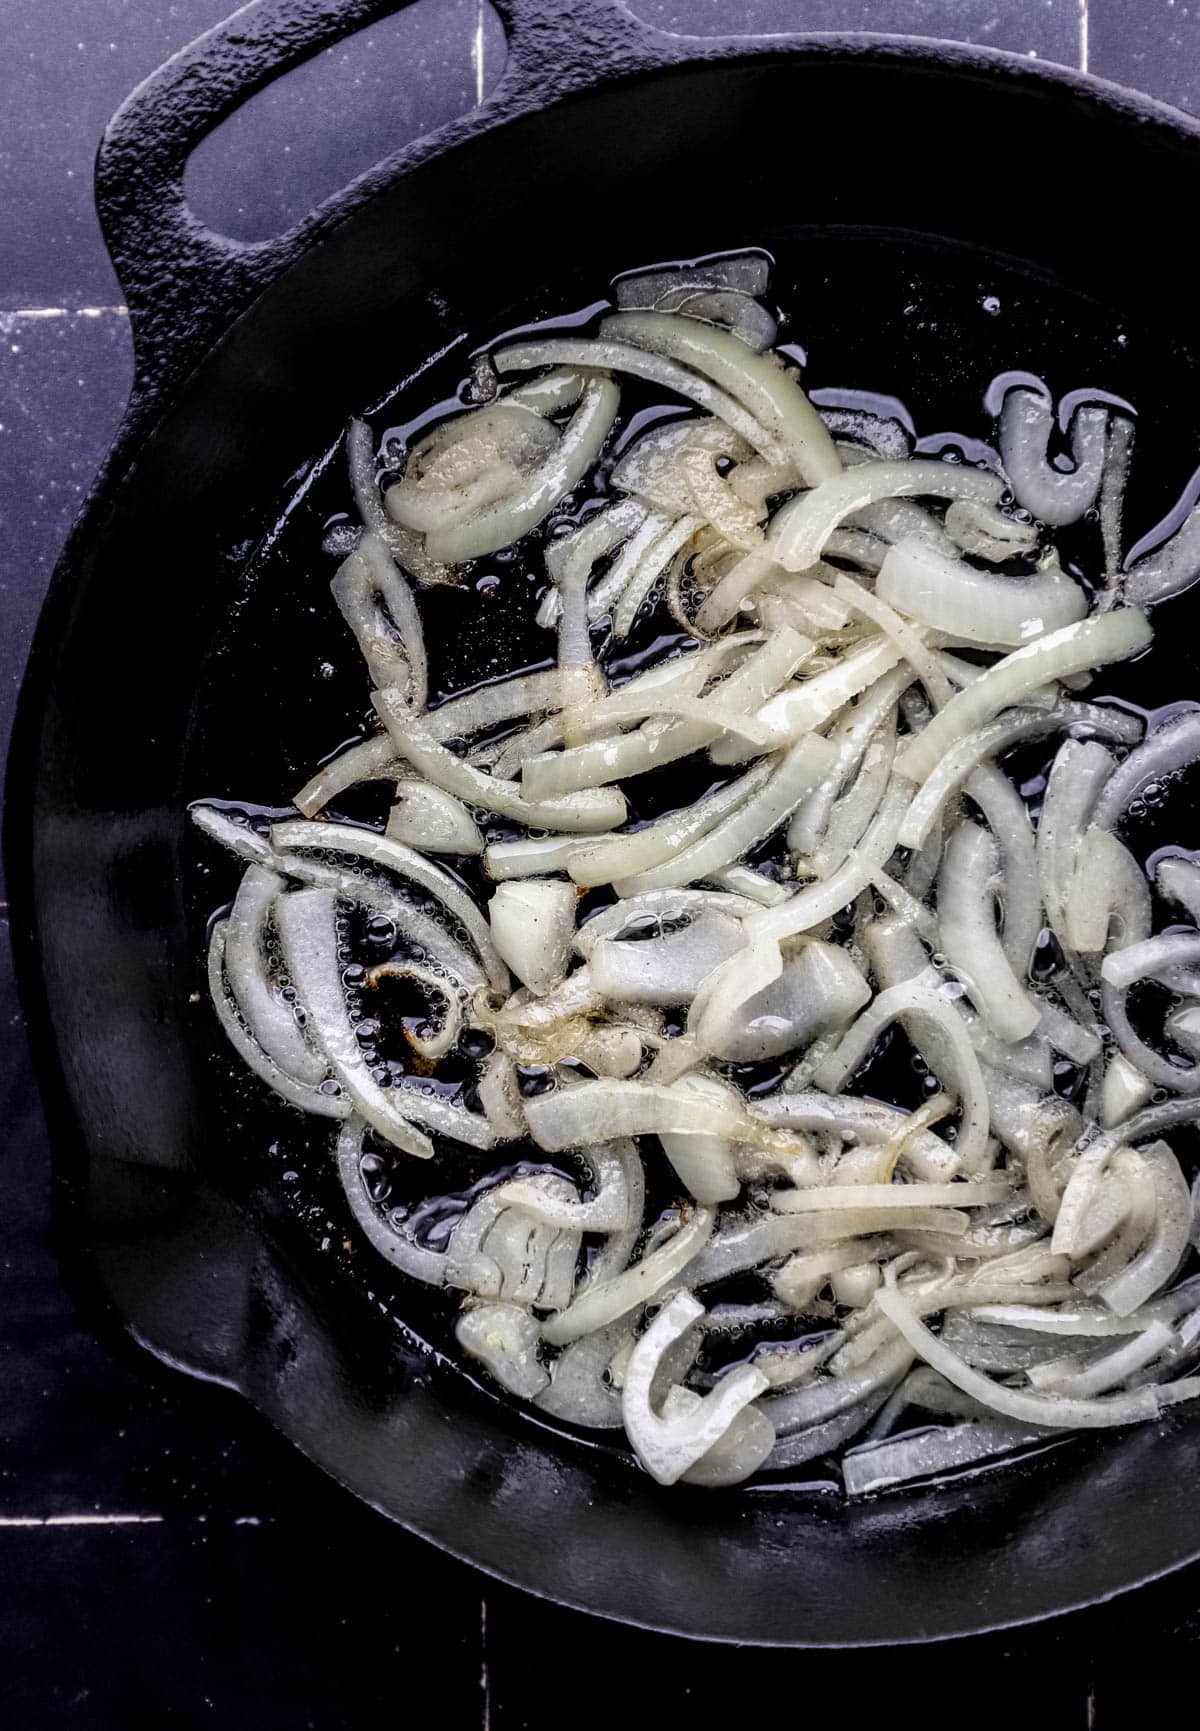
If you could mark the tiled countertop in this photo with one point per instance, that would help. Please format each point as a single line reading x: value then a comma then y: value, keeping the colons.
x: 163, y: 1559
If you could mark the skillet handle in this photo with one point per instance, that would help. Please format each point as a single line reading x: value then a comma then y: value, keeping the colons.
x: 185, y: 284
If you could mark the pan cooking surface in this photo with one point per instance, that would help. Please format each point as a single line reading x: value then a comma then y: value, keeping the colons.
x: 880, y: 320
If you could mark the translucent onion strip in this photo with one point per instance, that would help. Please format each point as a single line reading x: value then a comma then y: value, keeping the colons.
x: 801, y: 528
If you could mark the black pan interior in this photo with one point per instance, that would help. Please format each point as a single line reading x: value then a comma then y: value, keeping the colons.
x: 185, y: 658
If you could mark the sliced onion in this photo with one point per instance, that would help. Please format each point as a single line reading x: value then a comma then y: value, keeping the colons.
x: 405, y: 862
x: 1123, y: 968
x: 377, y: 604
x: 504, y: 1338
x: 771, y: 396
x: 705, y: 1164
x: 597, y: 809
x: 623, y: 357
x: 469, y: 463
x: 270, y: 1020
x: 301, y: 1094
x: 988, y: 531
x: 1170, y: 568
x: 754, y: 818
x: 955, y: 598
x: 649, y: 568
x: 1119, y: 449
x: 1091, y: 643
x: 1179, y: 880
x: 808, y: 706
x: 818, y: 989
x: 1053, y: 495
x: 869, y: 1122
x: 423, y: 816
x: 533, y: 925
x: 800, y: 529
x: 588, y: 1111
x: 1061, y: 1413
x: 1165, y: 1248
x: 407, y: 549
x: 1109, y: 902
x: 1107, y: 1372
x: 668, y: 969
x: 668, y: 1447
x: 370, y: 760
x: 931, y: 1453
x: 1162, y: 753
x: 560, y: 389
x: 602, y: 1303
x: 500, y: 1097
x: 671, y: 905
x: 651, y: 467
x: 966, y: 921
x: 851, y: 735
x: 950, y: 1054
x: 499, y: 524
x: 818, y: 902
x: 394, y: 1243
x: 450, y: 992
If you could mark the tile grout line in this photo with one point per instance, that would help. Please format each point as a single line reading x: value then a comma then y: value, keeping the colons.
x: 477, y: 51
x: 1084, y: 46
x: 485, y: 1681
x: 81, y: 1520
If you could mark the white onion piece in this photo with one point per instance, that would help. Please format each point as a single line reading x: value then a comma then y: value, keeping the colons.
x: 823, y: 1399
x: 270, y: 1019
x: 1179, y: 881
x: 1169, y: 569
x: 952, y: 596
x: 800, y: 529
x: 625, y: 358
x: 468, y: 463
x: 578, y: 1389
x: 504, y: 1338
x: 705, y: 1164
x: 499, y: 524
x: 377, y: 604
x: 1055, y: 496
x: 948, y: 1050
x: 1167, y: 1244
x: 668, y: 1447
x: 407, y: 549
x: 305, y: 920
x: 370, y: 760
x: 449, y: 991
x: 1102, y: 1374
x: 966, y: 920
x: 851, y: 735
x: 1125, y: 1090
x: 651, y: 467
x: 1113, y: 482
x: 1080, y: 769
x: 745, y: 881
x: 932, y: 1453
x: 596, y: 809
x: 405, y: 862
x: 1091, y: 643
x: 560, y: 389
x: 1108, y: 903
x: 668, y: 969
x: 796, y: 774
x: 820, y: 901
x: 994, y: 737
x: 988, y: 531
x: 1020, y: 894
x: 608, y: 1211
x: 393, y: 1243
x: 533, y: 925
x: 897, y: 1197
x: 745, y: 273
x: 1142, y: 1403
x: 808, y: 706
x: 1123, y: 968
x: 737, y: 1454
x: 649, y: 568
x: 869, y: 1122
x: 500, y: 1097
x: 908, y: 638
x: 618, y: 917
x: 602, y: 1303
x: 557, y: 774
x: 772, y: 397
x: 818, y: 989
x: 588, y: 1111
x: 426, y: 817
x: 532, y: 858
x: 300, y: 1094
x: 802, y: 1276
x: 1162, y: 753
x: 712, y: 498
x: 882, y: 436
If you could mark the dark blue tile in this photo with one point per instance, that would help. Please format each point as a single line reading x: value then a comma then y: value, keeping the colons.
x: 64, y: 378
x: 1049, y: 29
x: 1153, y: 45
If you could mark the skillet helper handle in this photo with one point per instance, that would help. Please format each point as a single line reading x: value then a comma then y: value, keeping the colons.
x: 185, y: 284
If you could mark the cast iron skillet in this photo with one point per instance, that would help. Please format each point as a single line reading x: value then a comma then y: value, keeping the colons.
x: 898, y: 184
